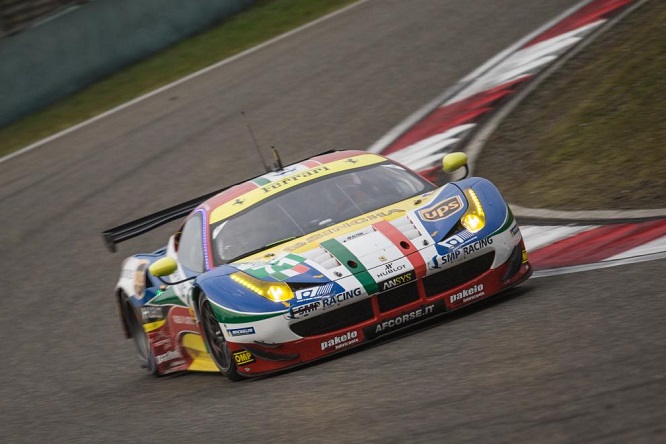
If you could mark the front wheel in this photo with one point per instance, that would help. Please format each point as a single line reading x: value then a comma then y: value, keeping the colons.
x: 215, y: 342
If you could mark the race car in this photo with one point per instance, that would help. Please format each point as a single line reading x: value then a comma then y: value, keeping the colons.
x: 312, y: 259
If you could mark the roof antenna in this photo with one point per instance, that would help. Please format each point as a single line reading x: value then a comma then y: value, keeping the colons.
x: 267, y: 168
x: 277, y: 166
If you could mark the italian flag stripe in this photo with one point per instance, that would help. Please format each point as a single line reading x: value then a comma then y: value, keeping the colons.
x: 412, y: 253
x: 360, y: 272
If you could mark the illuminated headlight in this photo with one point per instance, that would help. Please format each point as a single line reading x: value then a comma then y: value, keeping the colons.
x: 474, y: 218
x: 273, y: 291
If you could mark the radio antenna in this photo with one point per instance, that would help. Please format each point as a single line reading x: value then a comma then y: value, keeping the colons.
x: 256, y: 145
x: 277, y: 166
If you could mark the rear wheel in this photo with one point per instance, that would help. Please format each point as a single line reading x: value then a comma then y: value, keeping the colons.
x: 138, y: 334
x: 215, y: 342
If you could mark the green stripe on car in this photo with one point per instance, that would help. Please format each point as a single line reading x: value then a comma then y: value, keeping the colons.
x: 224, y: 315
x: 345, y: 256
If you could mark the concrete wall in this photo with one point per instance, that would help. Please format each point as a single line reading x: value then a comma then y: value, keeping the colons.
x: 58, y: 58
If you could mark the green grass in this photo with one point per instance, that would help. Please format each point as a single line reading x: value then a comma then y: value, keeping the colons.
x: 263, y: 21
x: 593, y: 136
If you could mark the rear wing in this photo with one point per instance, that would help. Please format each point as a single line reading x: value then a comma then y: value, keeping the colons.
x: 128, y: 230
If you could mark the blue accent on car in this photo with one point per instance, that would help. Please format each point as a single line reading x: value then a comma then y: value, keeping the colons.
x: 221, y: 289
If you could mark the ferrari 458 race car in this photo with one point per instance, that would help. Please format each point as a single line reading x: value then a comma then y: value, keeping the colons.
x: 310, y: 260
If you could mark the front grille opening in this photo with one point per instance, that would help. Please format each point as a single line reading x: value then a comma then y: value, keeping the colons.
x: 340, y: 318
x: 398, y: 297
x: 453, y: 277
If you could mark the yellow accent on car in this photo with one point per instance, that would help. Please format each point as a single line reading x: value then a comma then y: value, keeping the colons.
x: 273, y: 291
x: 152, y: 326
x: 453, y: 161
x: 228, y: 209
x: 163, y: 267
x: 194, y: 346
x: 474, y: 218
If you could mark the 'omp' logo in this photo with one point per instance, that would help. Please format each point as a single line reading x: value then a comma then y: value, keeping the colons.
x: 441, y: 210
x: 243, y: 357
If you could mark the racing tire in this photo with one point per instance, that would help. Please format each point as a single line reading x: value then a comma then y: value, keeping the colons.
x: 215, y: 341
x: 138, y: 334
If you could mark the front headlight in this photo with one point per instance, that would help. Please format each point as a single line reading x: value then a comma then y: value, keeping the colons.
x: 474, y: 218
x: 273, y: 291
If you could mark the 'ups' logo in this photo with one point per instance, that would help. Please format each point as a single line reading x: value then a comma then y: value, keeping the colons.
x: 442, y: 209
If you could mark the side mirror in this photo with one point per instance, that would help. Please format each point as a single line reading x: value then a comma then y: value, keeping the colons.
x: 454, y: 161
x: 163, y: 267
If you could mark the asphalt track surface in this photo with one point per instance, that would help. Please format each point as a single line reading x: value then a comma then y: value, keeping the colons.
x: 574, y: 358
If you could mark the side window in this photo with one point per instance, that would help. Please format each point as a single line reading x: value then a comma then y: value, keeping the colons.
x: 190, y: 248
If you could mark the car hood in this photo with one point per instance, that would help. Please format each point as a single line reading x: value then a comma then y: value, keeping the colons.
x: 424, y: 217
x: 368, y: 249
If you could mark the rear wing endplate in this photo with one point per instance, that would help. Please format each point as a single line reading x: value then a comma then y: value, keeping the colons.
x: 128, y: 230
x: 137, y: 227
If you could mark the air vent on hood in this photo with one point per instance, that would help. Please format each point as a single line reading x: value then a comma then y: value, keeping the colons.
x: 322, y: 257
x: 406, y: 227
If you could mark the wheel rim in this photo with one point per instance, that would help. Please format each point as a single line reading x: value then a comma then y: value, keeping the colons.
x: 214, y: 337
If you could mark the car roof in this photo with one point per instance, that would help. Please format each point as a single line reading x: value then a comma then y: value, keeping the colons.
x: 245, y: 194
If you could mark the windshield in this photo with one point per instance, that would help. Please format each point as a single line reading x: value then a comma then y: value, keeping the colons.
x: 314, y: 206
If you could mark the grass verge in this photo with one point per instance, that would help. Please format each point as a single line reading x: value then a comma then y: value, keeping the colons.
x: 263, y: 21
x: 593, y: 135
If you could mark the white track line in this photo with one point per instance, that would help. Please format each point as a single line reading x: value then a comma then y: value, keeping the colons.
x: 603, y: 264
x: 179, y: 82
x: 537, y: 237
x: 655, y: 246
x: 410, y: 121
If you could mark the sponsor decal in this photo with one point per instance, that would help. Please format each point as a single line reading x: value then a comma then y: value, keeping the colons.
x: 341, y: 297
x: 302, y: 311
x: 241, y: 331
x: 439, y: 261
x: 404, y: 319
x: 343, y: 226
x: 280, y: 268
x: 389, y: 269
x: 441, y: 210
x: 468, y: 294
x: 164, y: 342
x: 514, y: 230
x: 525, y: 256
x: 476, y: 246
x: 354, y: 236
x: 341, y: 341
x: 150, y: 312
x: 397, y: 281
x: 184, y: 320
x: 168, y: 356
x: 294, y: 178
x: 243, y: 357
x: 457, y: 240
x: 314, y: 292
